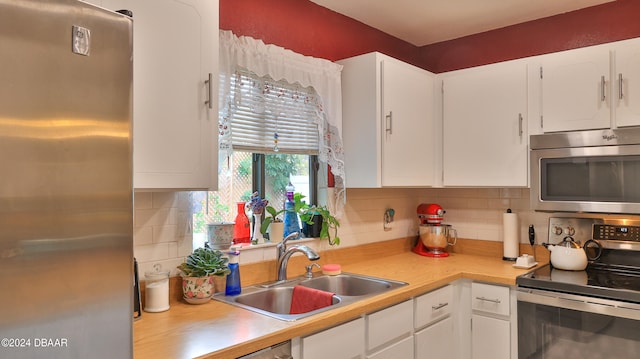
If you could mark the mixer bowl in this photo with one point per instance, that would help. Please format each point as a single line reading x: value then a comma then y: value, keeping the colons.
x: 436, y: 237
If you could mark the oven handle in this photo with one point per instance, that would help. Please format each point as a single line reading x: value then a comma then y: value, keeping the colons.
x: 580, y: 303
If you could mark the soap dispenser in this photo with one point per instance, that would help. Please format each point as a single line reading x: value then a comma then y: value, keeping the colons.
x: 233, y: 278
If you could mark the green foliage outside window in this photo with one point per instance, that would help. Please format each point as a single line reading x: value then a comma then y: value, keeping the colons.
x: 217, y: 212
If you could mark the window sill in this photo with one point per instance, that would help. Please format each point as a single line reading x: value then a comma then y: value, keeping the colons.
x: 267, y: 251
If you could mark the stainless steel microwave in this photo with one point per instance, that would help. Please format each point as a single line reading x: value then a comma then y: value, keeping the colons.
x: 586, y: 171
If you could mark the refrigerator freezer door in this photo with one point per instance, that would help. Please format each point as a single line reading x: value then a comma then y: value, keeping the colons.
x: 66, y: 223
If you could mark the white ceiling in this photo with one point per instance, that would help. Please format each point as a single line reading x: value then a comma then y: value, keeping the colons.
x: 423, y: 22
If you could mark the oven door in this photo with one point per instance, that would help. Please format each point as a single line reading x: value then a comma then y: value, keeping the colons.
x: 563, y: 326
x: 586, y: 179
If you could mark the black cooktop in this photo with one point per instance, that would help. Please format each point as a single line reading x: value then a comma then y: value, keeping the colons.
x: 609, y: 282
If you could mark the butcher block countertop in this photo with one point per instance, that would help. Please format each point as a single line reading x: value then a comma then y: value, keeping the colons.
x: 220, y: 330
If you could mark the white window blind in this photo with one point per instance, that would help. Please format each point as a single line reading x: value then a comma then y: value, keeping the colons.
x: 263, y: 110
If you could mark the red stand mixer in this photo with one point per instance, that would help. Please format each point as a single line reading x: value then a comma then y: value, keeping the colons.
x: 434, y: 236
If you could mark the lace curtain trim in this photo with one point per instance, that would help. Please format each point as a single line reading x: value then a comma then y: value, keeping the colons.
x: 278, y: 63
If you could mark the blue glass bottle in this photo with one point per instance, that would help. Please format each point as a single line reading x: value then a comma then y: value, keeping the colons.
x: 291, y: 223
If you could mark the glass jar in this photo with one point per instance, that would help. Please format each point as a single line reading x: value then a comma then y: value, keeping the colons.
x: 156, y: 290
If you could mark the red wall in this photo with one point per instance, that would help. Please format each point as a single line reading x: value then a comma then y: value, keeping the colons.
x: 310, y: 29
x: 608, y: 22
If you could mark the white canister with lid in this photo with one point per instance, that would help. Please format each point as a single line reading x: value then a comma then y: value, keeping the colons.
x: 156, y: 290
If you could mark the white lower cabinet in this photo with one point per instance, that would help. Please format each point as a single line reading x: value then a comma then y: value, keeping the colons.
x: 434, y: 325
x: 490, y: 338
x: 436, y: 341
x: 387, y: 326
x: 462, y: 320
x: 345, y: 341
x: 491, y: 318
x: 383, y: 334
x: 401, y: 349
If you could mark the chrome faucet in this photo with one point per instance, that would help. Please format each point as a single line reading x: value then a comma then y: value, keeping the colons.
x: 285, y: 253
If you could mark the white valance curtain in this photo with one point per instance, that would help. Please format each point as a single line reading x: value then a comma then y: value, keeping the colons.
x: 245, y: 53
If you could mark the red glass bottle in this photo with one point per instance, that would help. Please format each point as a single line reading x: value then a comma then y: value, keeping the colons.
x: 242, y: 228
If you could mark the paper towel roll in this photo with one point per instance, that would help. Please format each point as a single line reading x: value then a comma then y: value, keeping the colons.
x: 511, y: 240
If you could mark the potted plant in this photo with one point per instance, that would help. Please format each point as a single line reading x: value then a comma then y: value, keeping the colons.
x: 198, y: 272
x: 273, y: 224
x: 310, y: 214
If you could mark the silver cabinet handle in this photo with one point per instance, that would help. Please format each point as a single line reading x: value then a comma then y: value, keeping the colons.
x: 389, y: 125
x: 602, y: 88
x: 209, y: 83
x: 497, y: 301
x: 439, y: 306
x: 520, y: 125
x: 620, y: 93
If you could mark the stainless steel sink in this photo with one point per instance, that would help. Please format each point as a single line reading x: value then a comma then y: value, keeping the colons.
x: 274, y: 299
x: 350, y: 285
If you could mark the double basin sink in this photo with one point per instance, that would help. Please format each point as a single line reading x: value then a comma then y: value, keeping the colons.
x: 274, y: 299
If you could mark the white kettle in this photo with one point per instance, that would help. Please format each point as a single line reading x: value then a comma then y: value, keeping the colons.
x: 567, y: 255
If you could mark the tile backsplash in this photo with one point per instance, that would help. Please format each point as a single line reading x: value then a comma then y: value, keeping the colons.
x: 162, y: 230
x: 163, y: 235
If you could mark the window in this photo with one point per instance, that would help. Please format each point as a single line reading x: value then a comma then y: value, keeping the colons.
x: 273, y: 134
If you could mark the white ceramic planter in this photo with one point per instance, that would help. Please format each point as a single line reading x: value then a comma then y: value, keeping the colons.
x: 276, y: 232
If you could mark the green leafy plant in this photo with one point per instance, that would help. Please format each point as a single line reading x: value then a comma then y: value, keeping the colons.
x: 272, y: 218
x: 204, y: 262
x: 329, y: 222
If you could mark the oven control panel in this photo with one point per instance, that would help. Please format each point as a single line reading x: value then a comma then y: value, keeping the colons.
x: 577, y: 228
x: 616, y: 232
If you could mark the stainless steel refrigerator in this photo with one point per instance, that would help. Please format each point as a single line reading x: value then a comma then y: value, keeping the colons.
x: 66, y: 221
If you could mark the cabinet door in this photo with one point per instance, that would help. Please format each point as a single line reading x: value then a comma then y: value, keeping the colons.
x: 408, y: 128
x: 485, y: 139
x: 490, y: 298
x: 389, y: 324
x: 626, y: 84
x: 575, y: 90
x: 345, y: 341
x: 174, y: 130
x: 490, y: 338
x: 436, y: 341
x: 401, y: 349
x: 434, y: 305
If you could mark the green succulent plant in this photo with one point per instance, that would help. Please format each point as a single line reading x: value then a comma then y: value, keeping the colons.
x: 204, y: 262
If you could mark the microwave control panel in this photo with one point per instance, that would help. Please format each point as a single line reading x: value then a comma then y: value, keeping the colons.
x: 616, y: 232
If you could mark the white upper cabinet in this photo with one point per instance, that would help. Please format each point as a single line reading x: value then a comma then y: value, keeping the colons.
x: 174, y: 128
x: 626, y: 83
x: 388, y: 123
x: 575, y: 90
x: 590, y: 88
x: 485, y: 140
